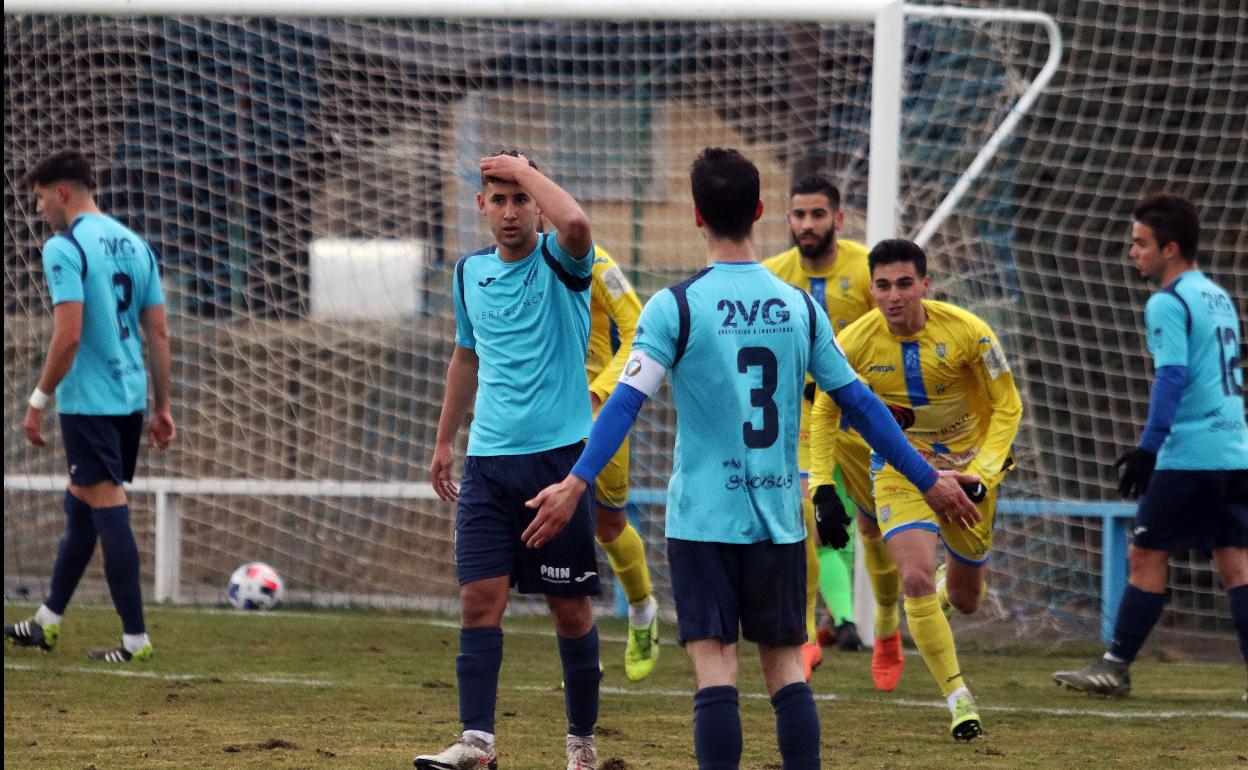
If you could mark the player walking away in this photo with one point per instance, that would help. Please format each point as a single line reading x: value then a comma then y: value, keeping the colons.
x: 522, y: 324
x: 105, y: 284
x: 833, y: 271
x: 614, y: 309
x: 943, y: 374
x: 737, y: 343
x: 1195, y: 438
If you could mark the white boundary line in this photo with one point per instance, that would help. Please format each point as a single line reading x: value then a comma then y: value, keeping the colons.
x: 637, y: 693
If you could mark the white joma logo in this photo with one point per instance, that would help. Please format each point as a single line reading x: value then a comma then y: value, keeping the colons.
x: 585, y: 577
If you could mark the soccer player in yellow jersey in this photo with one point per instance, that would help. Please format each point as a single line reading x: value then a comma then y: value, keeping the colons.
x: 943, y: 373
x: 833, y: 271
x: 614, y: 309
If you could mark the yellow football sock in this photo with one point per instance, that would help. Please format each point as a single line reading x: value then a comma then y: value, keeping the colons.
x: 930, y: 630
x: 885, y: 584
x: 627, y: 555
x: 812, y: 568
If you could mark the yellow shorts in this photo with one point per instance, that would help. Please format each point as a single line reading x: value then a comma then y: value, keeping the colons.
x: 611, y: 488
x: 853, y: 457
x: 900, y: 506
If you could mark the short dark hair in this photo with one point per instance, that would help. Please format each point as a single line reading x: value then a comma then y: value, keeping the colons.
x: 892, y: 250
x: 725, y: 190
x: 817, y: 184
x: 1173, y: 219
x: 62, y: 166
x: 485, y: 180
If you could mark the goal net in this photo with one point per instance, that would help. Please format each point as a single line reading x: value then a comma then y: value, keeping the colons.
x: 309, y: 183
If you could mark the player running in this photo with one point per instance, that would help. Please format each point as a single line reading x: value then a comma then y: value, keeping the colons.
x: 943, y: 374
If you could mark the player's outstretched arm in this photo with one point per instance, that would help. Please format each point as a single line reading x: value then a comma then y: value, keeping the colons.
x: 160, y: 429
x: 461, y: 388
x: 66, y: 334
x: 560, y: 208
x: 556, y: 503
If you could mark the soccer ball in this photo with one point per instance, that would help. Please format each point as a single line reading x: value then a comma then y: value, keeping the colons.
x: 255, y: 586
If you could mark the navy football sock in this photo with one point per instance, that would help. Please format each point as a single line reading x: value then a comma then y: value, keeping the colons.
x: 476, y: 669
x: 121, y: 565
x: 1137, y: 614
x: 717, y: 728
x: 1239, y: 616
x: 797, y: 726
x: 580, y: 681
x: 77, y: 546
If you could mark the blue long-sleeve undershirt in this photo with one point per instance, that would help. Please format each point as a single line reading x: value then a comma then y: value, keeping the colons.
x: 614, y: 421
x: 859, y: 405
x: 868, y: 415
x: 1163, y: 405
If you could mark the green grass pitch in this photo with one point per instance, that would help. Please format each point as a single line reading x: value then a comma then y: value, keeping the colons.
x: 340, y: 689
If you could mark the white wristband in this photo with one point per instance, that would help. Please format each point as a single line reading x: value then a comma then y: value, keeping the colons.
x: 39, y: 400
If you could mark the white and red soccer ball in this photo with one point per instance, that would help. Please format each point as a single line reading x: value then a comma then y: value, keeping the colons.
x: 255, y: 586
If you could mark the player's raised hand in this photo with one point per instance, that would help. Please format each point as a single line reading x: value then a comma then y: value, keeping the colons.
x: 947, y: 497
x: 440, y: 473
x: 555, y: 505
x: 507, y: 168
x: 33, y: 426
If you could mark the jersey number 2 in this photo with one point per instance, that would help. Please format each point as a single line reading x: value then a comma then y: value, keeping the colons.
x: 761, y: 397
x: 123, y: 287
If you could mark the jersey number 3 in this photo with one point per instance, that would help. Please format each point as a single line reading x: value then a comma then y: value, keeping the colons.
x: 761, y: 397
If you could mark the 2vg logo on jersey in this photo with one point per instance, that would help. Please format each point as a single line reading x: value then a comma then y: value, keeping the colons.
x: 772, y: 312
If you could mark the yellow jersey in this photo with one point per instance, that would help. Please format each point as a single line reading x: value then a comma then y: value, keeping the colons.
x: 844, y: 291
x: 949, y: 386
x: 613, y: 303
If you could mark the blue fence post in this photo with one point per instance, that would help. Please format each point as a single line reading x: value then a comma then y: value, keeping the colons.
x: 1113, y: 570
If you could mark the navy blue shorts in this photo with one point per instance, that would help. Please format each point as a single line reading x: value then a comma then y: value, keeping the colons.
x: 101, y: 447
x: 1193, y: 510
x: 758, y: 588
x: 491, y: 516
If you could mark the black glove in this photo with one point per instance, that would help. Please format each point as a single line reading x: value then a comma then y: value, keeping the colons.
x: 1139, y: 464
x: 831, y: 520
x: 975, y: 490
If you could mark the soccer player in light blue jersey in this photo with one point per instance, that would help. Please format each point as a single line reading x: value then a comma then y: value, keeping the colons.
x: 1191, y: 464
x: 737, y: 343
x: 105, y: 285
x: 522, y: 325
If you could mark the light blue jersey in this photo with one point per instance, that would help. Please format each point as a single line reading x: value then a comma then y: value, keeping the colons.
x: 1194, y: 323
x: 112, y: 271
x: 528, y: 322
x: 737, y: 342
